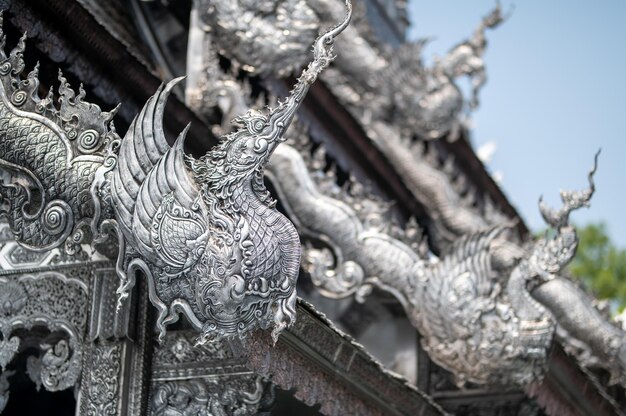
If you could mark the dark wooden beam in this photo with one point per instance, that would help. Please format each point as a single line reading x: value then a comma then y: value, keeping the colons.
x: 350, y: 136
x: 475, y: 171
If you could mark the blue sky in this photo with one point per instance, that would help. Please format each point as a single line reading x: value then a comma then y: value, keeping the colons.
x: 556, y: 93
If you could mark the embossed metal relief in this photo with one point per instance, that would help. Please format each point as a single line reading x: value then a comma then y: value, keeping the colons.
x: 328, y: 368
x: 268, y: 37
x: 205, y: 231
x: 438, y: 187
x: 204, y: 379
x: 425, y: 100
x: 238, y: 396
x: 55, y: 302
x: 49, y: 157
x: 473, y: 306
x: 103, y: 380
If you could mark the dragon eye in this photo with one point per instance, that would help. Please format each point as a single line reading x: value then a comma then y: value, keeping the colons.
x: 256, y: 125
x: 260, y: 145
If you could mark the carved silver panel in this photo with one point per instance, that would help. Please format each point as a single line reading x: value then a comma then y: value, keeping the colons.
x: 104, y: 379
x: 57, y: 303
x: 235, y: 396
x: 202, y: 380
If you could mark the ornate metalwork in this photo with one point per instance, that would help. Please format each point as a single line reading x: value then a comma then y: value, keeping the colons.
x: 178, y: 357
x: 473, y: 306
x: 205, y: 231
x: 45, y: 309
x: 59, y: 304
x: 208, y: 397
x: 329, y: 368
x: 51, y: 163
x: 269, y: 37
x: 204, y: 379
x: 585, y: 332
x: 104, y: 379
x: 48, y: 157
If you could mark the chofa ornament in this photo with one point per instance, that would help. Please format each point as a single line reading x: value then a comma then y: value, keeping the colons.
x: 476, y: 306
x: 205, y: 231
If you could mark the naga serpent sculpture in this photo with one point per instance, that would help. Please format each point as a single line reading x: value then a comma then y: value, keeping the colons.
x: 487, y: 310
x: 205, y: 231
x: 456, y: 303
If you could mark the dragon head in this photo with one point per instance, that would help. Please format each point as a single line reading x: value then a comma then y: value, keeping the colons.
x: 246, y: 151
x: 242, y: 154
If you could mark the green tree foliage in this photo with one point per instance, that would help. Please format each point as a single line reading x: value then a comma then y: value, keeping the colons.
x: 600, y: 265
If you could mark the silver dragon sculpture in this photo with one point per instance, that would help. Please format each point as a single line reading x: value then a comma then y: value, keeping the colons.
x: 203, y: 231
x: 427, y: 100
x: 267, y: 38
x: 487, y: 309
x: 473, y: 320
